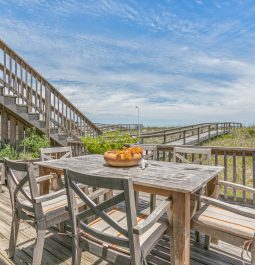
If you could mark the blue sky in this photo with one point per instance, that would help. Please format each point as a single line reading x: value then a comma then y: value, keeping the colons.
x: 181, y: 62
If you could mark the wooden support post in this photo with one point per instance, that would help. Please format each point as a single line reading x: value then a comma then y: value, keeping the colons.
x: 184, y: 137
x: 198, y: 135
x: 20, y: 131
x: 4, y: 126
x: 12, y: 131
x: 30, y: 94
x: 47, y: 110
x: 180, y: 241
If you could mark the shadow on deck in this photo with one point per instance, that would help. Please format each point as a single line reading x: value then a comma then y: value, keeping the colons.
x: 58, y: 246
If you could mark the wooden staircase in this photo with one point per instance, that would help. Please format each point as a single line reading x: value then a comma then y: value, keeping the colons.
x: 28, y: 100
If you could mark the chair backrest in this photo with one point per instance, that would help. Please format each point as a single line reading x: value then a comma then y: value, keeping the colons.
x: 22, y: 186
x: 192, y: 155
x: 149, y: 151
x: 56, y: 153
x: 126, y: 194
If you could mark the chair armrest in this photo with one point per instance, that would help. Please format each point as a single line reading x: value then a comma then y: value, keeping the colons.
x: 152, y: 218
x: 50, y: 196
x: 236, y: 186
x: 228, y: 207
x: 44, y: 178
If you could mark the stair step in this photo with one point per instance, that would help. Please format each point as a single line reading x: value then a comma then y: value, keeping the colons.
x: 42, y: 124
x: 62, y: 137
x: 53, y: 131
x: 33, y: 116
x: 21, y: 108
x: 9, y: 100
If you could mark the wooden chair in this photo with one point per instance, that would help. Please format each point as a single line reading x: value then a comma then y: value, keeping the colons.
x: 55, y: 153
x: 180, y: 154
x: 229, y: 222
x: 118, y: 236
x: 41, y: 211
x: 27, y: 204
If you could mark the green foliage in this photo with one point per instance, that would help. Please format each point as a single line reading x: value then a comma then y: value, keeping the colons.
x: 27, y: 156
x: 34, y: 142
x: 8, y: 152
x: 107, y: 141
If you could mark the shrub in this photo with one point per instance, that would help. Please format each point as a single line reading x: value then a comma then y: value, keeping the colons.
x: 27, y: 156
x: 107, y: 141
x: 8, y: 152
x: 34, y: 142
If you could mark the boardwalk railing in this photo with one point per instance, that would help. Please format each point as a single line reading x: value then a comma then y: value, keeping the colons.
x: 31, y: 89
x: 201, y: 131
x: 239, y: 164
x: 118, y: 127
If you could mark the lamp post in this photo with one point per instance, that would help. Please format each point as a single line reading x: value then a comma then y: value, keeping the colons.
x: 138, y: 119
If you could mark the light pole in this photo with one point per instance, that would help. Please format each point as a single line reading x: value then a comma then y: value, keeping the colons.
x: 138, y: 119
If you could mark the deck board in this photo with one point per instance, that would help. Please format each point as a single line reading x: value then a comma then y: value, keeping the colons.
x: 58, y: 248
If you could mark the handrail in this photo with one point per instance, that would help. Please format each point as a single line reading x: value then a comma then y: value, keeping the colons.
x: 174, y: 129
x: 33, y: 90
x: 239, y: 167
x: 187, y: 131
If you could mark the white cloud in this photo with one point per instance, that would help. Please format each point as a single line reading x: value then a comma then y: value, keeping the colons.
x: 106, y: 77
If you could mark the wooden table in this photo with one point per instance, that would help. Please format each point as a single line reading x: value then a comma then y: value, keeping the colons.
x: 176, y: 181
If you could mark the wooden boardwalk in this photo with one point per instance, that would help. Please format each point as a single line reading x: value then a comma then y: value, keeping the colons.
x: 58, y: 246
x: 193, y: 140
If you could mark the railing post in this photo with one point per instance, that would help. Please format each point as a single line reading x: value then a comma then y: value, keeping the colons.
x: 184, y: 137
x: 47, y: 109
x: 164, y: 138
x: 198, y: 135
x: 4, y: 127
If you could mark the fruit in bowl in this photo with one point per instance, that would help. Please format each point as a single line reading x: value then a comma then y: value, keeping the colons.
x: 126, y: 157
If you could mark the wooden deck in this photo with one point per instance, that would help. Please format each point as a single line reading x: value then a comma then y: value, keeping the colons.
x: 58, y: 246
x: 193, y: 140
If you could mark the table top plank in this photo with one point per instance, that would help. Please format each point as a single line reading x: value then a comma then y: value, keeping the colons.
x: 163, y: 175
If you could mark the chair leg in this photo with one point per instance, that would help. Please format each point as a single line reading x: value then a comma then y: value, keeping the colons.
x: 39, y: 245
x: 136, y: 199
x: 197, y: 234
x: 76, y: 250
x: 207, y: 242
x: 152, y: 202
x: 253, y: 251
x: 14, y: 235
x: 61, y: 227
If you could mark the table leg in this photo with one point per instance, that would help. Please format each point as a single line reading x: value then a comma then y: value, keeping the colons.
x: 180, y: 232
x: 44, y: 186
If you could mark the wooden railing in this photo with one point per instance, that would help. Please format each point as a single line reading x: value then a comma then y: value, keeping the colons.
x: 19, y: 79
x: 118, y: 127
x: 238, y: 163
x: 201, y: 131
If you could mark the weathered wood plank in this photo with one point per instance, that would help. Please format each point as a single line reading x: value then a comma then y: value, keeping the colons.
x: 165, y: 176
x: 61, y: 246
